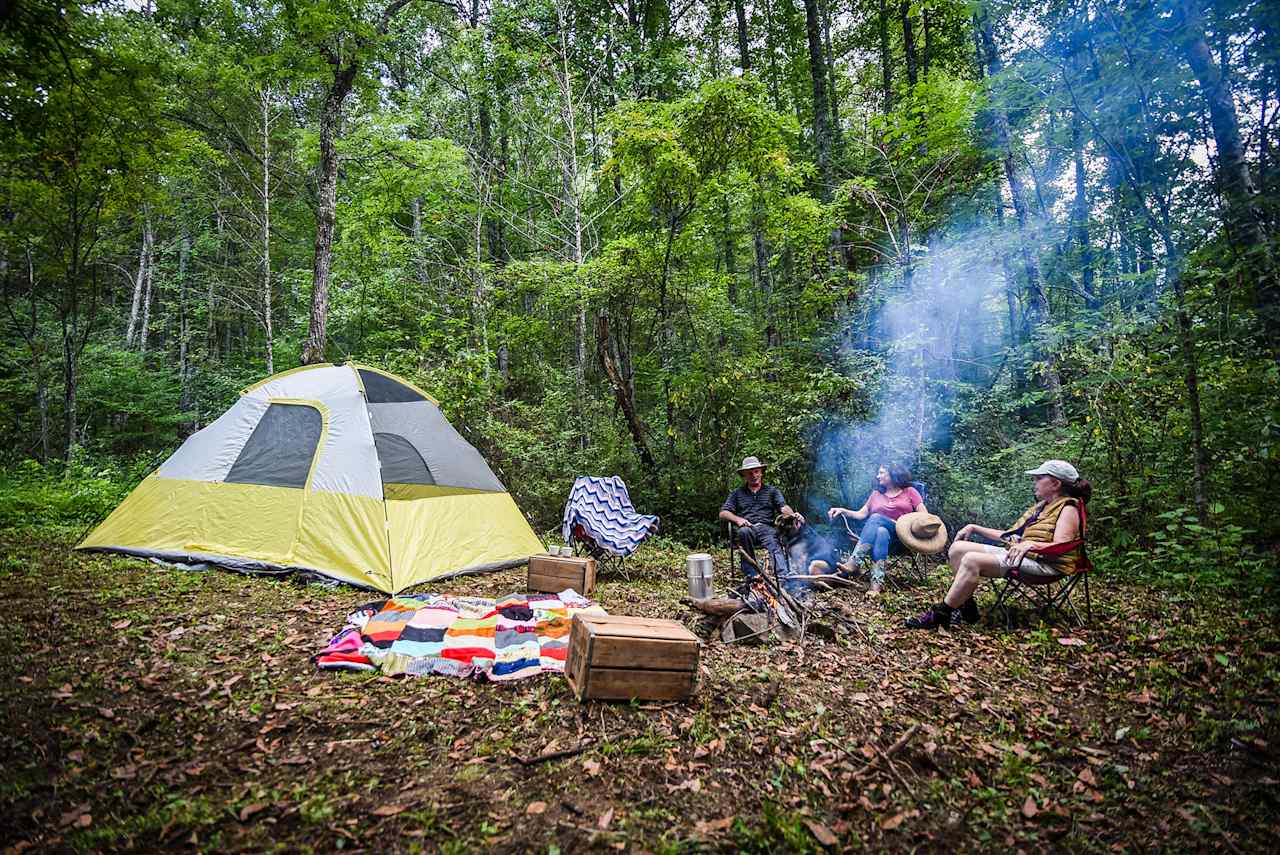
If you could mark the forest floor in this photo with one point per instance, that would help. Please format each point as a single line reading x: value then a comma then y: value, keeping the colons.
x: 145, y: 709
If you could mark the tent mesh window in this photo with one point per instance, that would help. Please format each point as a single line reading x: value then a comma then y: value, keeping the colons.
x: 280, y: 449
x: 401, y: 462
x: 379, y: 389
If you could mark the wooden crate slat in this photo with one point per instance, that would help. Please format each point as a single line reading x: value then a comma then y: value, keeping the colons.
x: 619, y: 684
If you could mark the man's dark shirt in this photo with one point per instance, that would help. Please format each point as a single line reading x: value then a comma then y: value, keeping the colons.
x: 762, y: 506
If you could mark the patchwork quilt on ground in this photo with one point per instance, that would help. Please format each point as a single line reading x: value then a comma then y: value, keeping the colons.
x: 505, y: 639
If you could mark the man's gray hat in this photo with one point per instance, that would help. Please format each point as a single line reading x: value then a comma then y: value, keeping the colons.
x: 1060, y: 469
x: 750, y: 463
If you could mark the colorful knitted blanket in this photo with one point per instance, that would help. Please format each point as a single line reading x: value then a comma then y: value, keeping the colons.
x: 506, y: 639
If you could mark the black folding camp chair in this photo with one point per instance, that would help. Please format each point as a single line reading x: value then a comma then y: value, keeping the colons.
x: 737, y: 564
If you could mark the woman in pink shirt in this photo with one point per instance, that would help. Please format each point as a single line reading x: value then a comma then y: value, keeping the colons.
x: 893, y: 497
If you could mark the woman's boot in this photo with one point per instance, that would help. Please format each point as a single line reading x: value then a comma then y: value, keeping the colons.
x: 852, y: 567
x: 877, y: 578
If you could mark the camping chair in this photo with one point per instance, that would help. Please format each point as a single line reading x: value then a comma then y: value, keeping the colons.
x: 1049, y: 598
x: 600, y: 521
x: 904, y: 568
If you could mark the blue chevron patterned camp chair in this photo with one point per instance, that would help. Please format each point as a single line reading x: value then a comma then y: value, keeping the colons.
x: 600, y: 521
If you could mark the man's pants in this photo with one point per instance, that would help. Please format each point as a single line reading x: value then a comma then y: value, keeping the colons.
x: 764, y: 535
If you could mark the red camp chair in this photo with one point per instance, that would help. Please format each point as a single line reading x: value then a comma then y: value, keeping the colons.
x: 1049, y: 597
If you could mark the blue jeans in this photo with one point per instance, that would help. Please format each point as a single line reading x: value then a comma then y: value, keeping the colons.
x: 880, y: 533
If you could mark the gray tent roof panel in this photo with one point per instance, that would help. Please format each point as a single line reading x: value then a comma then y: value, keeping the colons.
x: 450, y: 459
x: 381, y: 389
x: 401, y: 462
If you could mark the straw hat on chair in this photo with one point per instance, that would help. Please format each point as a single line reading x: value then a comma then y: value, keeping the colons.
x: 922, y: 533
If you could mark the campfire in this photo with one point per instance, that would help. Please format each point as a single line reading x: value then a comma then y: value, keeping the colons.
x: 763, y: 607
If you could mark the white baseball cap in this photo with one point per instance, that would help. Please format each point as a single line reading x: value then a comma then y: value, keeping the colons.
x: 1060, y: 469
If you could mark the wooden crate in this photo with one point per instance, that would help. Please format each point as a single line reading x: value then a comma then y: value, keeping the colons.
x: 553, y: 573
x: 615, y: 657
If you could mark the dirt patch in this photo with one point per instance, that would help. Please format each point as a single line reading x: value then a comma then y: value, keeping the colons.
x: 145, y: 708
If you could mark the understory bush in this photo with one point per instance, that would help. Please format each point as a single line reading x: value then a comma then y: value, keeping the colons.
x: 77, y: 493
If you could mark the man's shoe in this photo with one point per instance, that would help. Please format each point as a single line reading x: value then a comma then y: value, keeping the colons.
x: 969, y: 611
x: 940, y: 615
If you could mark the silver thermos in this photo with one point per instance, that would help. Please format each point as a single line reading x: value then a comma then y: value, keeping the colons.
x: 700, y: 570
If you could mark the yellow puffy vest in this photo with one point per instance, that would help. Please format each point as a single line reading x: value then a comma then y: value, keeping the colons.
x: 1041, y: 528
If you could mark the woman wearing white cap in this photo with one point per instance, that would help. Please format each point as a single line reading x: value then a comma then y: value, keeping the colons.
x: 1047, y: 541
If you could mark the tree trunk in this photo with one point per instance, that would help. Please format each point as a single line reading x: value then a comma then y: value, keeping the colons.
x: 184, y: 323
x: 821, y: 108
x: 1080, y: 215
x: 326, y: 207
x: 621, y: 389
x: 764, y: 284
x: 1016, y: 324
x: 570, y: 172
x: 211, y: 322
x: 267, y: 326
x: 139, y: 281
x: 926, y: 24
x: 1233, y: 166
x: 30, y: 332
x: 833, y: 95
x: 908, y: 41
x: 1243, y: 219
x: 1037, y: 305
x: 144, y: 329
x: 744, y: 54
x: 771, y: 51
x: 1191, y: 378
x: 730, y: 251
x: 70, y: 379
x: 886, y: 58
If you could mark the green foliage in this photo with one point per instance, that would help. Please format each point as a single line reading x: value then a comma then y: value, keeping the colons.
x: 77, y: 494
x: 1184, y: 552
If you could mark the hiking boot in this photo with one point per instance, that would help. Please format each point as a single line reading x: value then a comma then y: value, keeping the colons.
x: 969, y: 611
x: 939, y: 615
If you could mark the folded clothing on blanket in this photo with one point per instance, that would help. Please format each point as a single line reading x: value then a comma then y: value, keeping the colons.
x: 505, y: 639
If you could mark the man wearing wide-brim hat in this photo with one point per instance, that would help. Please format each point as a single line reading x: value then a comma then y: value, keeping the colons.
x: 752, y: 508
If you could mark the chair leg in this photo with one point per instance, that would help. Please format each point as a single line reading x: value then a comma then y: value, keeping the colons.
x: 1001, y: 604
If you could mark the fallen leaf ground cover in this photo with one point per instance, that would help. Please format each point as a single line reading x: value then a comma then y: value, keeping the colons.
x: 144, y: 708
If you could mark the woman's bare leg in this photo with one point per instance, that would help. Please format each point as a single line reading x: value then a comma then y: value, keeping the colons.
x: 961, y: 548
x: 973, y: 567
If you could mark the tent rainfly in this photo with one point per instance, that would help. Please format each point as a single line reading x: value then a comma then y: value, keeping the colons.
x: 341, y: 470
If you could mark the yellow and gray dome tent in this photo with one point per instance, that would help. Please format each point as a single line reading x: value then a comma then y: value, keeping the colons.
x: 341, y: 470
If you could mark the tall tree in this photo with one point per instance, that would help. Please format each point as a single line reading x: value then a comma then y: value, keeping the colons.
x: 821, y: 107
x: 1244, y: 220
x: 346, y: 49
x: 909, y: 42
x: 1037, y: 303
x: 744, y: 52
